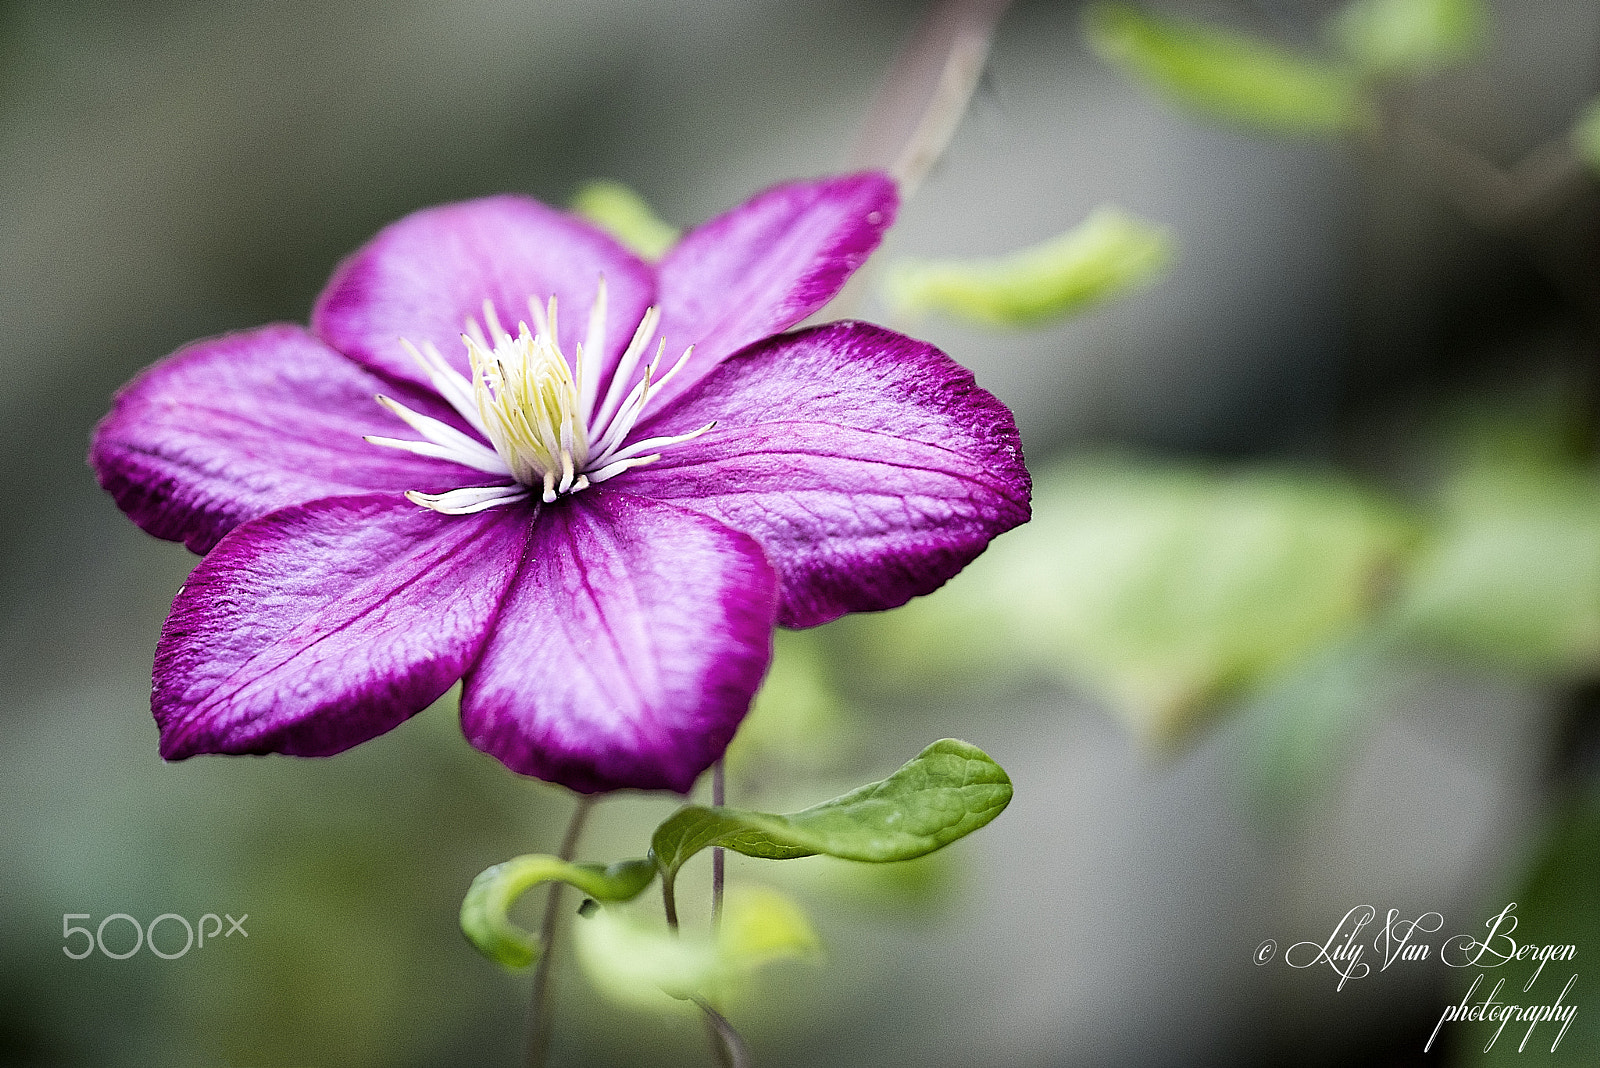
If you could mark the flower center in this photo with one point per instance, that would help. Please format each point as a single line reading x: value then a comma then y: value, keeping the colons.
x: 530, y: 407
x: 540, y: 417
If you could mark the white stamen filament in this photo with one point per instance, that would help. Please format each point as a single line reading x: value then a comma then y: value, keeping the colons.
x: 536, y: 409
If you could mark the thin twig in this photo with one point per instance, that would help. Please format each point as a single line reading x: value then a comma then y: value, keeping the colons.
x: 916, y: 112
x: 1515, y: 202
x: 539, y: 1010
x: 733, y: 1051
x: 1497, y: 199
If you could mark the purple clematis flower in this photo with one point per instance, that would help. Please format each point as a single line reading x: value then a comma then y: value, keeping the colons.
x: 588, y: 489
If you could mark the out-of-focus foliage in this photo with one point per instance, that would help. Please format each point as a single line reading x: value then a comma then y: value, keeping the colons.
x: 485, y: 918
x: 1512, y: 573
x: 1391, y: 37
x: 1230, y: 75
x: 1107, y: 254
x: 626, y: 216
x: 1556, y: 905
x: 942, y: 794
x: 797, y: 720
x: 1585, y: 136
x: 1300, y: 728
x: 1165, y: 587
x: 634, y: 962
x: 1174, y: 590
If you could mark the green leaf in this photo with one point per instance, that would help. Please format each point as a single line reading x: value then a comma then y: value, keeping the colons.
x: 1104, y: 256
x: 633, y: 962
x: 485, y: 918
x: 948, y: 791
x: 1298, y: 733
x: 797, y: 719
x: 1168, y: 589
x: 1585, y: 136
x: 1513, y: 573
x: 1556, y: 905
x: 1389, y: 37
x: 1228, y: 75
x: 624, y: 214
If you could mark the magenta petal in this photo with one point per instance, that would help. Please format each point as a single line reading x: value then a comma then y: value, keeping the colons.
x: 870, y: 467
x: 318, y: 627
x: 766, y: 265
x: 628, y: 649
x: 235, y: 427
x: 422, y: 278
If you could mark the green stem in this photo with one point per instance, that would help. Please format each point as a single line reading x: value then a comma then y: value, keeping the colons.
x: 730, y: 1048
x: 669, y: 901
x: 719, y: 860
x: 539, y: 1011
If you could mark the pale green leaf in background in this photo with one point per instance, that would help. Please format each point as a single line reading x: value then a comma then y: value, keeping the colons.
x: 1171, y: 589
x: 1229, y: 75
x: 797, y: 720
x: 485, y: 918
x: 1167, y: 589
x: 1298, y: 732
x: 634, y: 962
x: 1390, y: 37
x: 1585, y: 136
x: 1104, y: 256
x: 946, y: 792
x: 1512, y: 571
x: 1512, y: 574
x: 626, y: 216
x: 1556, y: 905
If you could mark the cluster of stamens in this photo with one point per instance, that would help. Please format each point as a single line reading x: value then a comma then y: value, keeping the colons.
x: 546, y: 426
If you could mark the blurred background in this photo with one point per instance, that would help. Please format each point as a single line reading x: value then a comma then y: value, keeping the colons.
x: 1309, y: 617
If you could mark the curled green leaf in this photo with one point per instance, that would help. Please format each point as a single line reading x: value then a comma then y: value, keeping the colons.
x: 1389, y: 37
x: 626, y: 216
x: 1102, y: 257
x: 946, y: 792
x: 1229, y: 75
x: 485, y: 918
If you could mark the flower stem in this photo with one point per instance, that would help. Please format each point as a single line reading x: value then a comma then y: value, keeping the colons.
x: 927, y: 91
x: 719, y: 860
x: 916, y: 112
x: 730, y: 1048
x: 669, y: 902
x: 539, y: 1010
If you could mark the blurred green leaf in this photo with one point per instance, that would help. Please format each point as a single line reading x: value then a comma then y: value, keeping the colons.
x: 1512, y: 574
x: 1556, y: 905
x: 1166, y: 588
x: 1585, y: 136
x: 946, y: 792
x: 797, y: 718
x: 1171, y: 589
x: 915, y: 888
x: 1105, y: 255
x: 1297, y: 733
x: 1229, y: 75
x: 626, y: 216
x: 485, y: 918
x: 634, y: 962
x: 1389, y: 37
